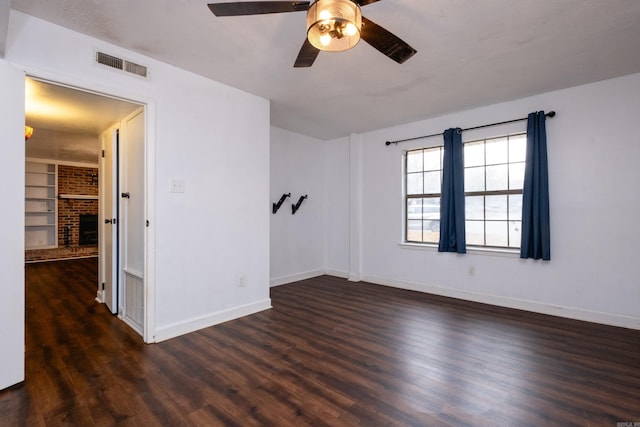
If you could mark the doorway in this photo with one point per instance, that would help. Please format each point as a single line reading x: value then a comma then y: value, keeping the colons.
x: 78, y: 127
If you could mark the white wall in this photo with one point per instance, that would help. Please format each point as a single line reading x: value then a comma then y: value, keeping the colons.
x: 213, y: 137
x: 297, y: 241
x: 337, y: 180
x: 11, y: 226
x: 593, y: 152
x: 315, y: 240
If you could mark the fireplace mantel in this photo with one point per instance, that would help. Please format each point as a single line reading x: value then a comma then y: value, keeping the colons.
x: 77, y: 196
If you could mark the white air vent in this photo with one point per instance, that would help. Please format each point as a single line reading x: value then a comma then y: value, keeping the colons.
x: 121, y: 64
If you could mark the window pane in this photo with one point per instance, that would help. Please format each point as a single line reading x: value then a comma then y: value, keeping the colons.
x: 414, y: 231
x: 496, y: 207
x: 432, y: 159
x: 497, y: 233
x: 474, y: 179
x: 414, y: 161
x: 497, y: 177
x: 432, y: 182
x: 497, y: 151
x: 414, y: 209
x: 473, y: 154
x: 515, y: 207
x: 474, y: 207
x: 414, y: 183
x: 431, y: 208
x: 515, y: 230
x: 516, y: 176
x: 517, y: 148
x: 474, y: 232
x: 431, y: 231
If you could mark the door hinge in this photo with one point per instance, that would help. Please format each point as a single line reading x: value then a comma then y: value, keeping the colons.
x: 103, y: 153
x: 103, y: 286
x: 126, y: 195
x: 147, y: 223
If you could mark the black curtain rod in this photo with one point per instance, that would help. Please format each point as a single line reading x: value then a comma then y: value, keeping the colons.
x: 549, y: 114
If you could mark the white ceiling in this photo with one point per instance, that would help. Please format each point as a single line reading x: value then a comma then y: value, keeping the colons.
x: 470, y: 53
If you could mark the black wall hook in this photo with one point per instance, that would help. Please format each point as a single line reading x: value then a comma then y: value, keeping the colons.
x: 294, y: 208
x: 276, y: 206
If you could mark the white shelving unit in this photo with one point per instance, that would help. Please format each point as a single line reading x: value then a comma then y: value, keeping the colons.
x: 41, y: 205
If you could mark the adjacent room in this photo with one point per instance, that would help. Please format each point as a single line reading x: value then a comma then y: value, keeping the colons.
x: 331, y: 212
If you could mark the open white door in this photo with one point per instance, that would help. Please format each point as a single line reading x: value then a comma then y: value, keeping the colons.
x: 107, y: 276
x: 132, y: 220
x: 12, y: 302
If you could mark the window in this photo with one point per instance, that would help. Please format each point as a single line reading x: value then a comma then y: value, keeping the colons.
x: 423, y: 184
x: 493, y: 179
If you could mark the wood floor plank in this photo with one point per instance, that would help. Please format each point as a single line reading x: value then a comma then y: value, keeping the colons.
x: 330, y: 353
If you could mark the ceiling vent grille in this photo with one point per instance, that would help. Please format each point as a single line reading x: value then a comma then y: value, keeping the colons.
x: 121, y: 64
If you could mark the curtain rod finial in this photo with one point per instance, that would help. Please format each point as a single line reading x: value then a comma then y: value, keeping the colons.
x: 551, y: 114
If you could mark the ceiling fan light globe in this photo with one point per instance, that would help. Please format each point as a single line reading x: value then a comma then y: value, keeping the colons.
x: 338, y: 21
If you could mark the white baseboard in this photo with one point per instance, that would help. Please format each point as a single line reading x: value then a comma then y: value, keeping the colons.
x: 192, y: 325
x: 519, y: 304
x: 337, y: 273
x: 283, y: 280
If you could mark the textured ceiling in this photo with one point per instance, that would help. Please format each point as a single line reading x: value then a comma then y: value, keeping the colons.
x: 470, y: 53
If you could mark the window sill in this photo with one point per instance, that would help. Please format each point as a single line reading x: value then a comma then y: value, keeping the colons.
x: 471, y: 250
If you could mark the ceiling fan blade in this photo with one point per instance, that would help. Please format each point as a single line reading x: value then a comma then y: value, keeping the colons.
x: 257, y: 7
x: 308, y: 54
x: 365, y: 2
x: 386, y: 42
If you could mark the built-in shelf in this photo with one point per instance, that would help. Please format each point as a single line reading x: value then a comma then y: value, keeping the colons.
x: 40, y: 205
x: 77, y: 196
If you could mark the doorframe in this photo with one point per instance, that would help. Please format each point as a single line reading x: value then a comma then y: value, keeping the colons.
x: 149, y: 166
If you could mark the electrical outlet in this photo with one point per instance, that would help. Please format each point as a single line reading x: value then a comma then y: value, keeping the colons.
x: 471, y: 271
x: 177, y: 185
x: 242, y: 281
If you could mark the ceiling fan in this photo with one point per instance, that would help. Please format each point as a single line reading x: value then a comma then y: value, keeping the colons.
x: 332, y: 25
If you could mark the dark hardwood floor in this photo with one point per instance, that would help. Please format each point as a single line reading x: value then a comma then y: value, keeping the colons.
x: 329, y: 353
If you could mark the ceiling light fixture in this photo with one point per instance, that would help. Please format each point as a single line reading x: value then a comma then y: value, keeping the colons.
x: 334, y: 25
x: 28, y: 131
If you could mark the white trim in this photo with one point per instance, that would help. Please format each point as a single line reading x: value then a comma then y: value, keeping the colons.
x: 519, y: 304
x: 59, y: 259
x: 197, y: 323
x: 149, y: 106
x: 336, y: 273
x: 283, y: 280
x: 471, y: 250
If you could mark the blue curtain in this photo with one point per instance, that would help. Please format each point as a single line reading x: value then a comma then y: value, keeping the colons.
x: 452, y: 230
x: 535, y: 240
